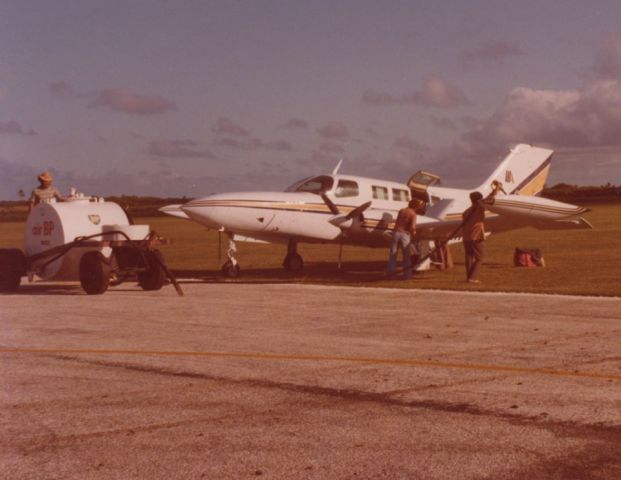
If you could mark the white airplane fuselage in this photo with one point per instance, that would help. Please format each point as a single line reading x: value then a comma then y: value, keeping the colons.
x: 279, y: 216
x: 315, y: 209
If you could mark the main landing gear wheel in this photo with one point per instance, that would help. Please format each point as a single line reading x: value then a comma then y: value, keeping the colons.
x: 154, y: 277
x: 94, y: 273
x: 12, y: 267
x: 230, y: 269
x: 293, y: 263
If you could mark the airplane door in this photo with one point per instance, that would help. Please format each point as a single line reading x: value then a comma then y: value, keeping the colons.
x: 420, y: 182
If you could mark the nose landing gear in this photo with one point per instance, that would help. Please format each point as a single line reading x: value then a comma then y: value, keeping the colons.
x: 293, y: 261
x: 231, y: 269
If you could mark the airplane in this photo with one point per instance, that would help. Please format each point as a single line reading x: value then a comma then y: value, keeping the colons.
x: 352, y: 210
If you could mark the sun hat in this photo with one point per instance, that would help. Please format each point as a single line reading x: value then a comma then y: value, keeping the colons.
x: 45, y: 177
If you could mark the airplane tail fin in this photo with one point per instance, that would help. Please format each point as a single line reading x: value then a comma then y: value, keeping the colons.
x: 523, y: 172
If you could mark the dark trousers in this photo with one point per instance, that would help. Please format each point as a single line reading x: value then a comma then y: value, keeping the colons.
x: 474, y: 257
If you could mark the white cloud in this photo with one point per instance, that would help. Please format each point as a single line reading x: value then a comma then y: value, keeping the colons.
x: 494, y: 52
x: 124, y: 100
x: 296, y: 123
x: 567, y: 118
x: 62, y: 90
x: 436, y: 92
x: 331, y: 147
x: 334, y: 130
x: 250, y: 144
x: 13, y: 127
x: 608, y: 63
x: 226, y: 126
x: 581, y: 125
x: 178, y: 149
x: 410, y: 145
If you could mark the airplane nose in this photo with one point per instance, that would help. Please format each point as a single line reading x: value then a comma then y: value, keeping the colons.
x: 202, y: 213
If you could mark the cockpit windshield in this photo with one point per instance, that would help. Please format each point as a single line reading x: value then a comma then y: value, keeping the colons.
x: 316, y: 185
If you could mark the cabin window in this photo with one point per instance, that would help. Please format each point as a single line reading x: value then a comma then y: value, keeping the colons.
x: 380, y: 193
x: 312, y: 185
x: 399, y: 195
x: 346, y: 188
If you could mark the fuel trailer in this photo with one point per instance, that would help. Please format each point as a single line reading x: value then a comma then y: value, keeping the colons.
x: 85, y: 239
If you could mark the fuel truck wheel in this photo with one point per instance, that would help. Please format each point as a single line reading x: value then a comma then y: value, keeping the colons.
x: 94, y: 273
x: 12, y: 267
x: 154, y: 277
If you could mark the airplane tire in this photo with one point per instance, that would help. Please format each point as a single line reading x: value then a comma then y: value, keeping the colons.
x: 12, y: 267
x: 293, y: 263
x: 154, y: 277
x: 229, y: 270
x: 94, y: 273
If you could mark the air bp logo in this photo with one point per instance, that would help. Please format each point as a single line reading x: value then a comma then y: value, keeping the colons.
x: 95, y: 219
x: 509, y: 177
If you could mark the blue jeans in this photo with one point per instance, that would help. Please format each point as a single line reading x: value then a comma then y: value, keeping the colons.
x: 400, y: 240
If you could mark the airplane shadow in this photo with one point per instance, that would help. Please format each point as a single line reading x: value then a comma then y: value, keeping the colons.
x: 351, y: 272
x: 68, y: 289
x: 47, y: 289
x: 361, y: 272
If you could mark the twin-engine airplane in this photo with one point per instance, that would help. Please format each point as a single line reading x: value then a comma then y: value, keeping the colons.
x: 350, y: 210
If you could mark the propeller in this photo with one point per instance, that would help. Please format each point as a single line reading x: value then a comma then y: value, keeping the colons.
x: 346, y: 221
x: 357, y: 211
x: 333, y: 208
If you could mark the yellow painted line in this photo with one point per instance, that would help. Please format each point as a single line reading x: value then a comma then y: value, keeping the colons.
x: 327, y: 358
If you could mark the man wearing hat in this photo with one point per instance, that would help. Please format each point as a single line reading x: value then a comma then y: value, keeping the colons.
x: 473, y: 228
x: 45, y: 193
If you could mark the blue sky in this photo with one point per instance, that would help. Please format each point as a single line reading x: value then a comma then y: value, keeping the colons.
x: 193, y: 97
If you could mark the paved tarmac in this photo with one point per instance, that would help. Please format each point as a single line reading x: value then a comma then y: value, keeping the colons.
x: 240, y: 381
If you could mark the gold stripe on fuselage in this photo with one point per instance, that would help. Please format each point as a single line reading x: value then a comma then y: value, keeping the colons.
x: 270, y: 205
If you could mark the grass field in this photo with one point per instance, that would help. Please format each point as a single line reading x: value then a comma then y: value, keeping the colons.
x: 582, y: 262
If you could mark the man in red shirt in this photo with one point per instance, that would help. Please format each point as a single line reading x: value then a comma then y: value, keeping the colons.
x: 473, y: 228
x: 402, y: 235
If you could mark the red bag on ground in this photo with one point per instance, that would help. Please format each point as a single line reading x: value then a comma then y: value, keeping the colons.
x: 523, y: 260
x: 527, y: 258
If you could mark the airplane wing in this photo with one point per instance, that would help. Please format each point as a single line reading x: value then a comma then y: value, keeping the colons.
x: 506, y: 212
x: 540, y: 213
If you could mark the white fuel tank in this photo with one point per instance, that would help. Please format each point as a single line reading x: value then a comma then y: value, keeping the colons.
x: 51, y: 225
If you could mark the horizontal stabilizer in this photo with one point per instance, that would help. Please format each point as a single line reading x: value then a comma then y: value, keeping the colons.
x: 576, y: 224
